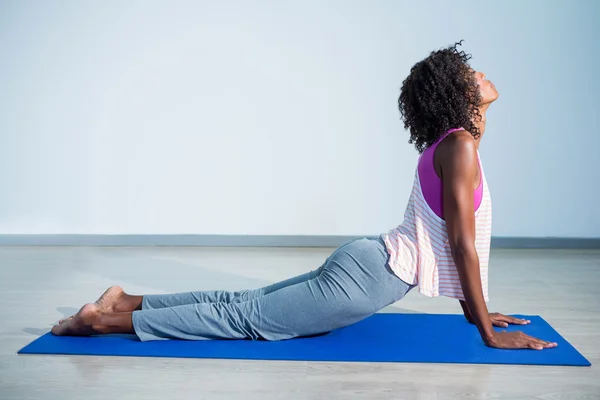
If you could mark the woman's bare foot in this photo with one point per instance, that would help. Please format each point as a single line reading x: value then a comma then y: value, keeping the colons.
x: 112, y: 300
x: 80, y: 324
x: 66, y: 319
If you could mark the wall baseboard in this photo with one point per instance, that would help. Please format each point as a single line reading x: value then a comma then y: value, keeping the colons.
x: 264, y: 241
x: 545, y: 243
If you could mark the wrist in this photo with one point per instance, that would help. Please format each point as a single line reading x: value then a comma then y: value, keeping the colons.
x: 486, y: 330
x: 488, y: 337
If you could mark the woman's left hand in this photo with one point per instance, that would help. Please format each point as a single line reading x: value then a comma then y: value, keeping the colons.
x: 502, y: 320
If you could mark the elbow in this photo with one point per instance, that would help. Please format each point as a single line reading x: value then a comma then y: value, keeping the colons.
x: 464, y: 251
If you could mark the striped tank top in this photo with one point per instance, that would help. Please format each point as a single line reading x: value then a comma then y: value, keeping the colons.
x: 419, y: 249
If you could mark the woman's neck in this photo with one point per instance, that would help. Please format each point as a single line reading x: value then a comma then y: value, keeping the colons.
x: 480, y: 122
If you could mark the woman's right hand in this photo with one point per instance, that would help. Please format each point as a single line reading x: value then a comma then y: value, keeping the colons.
x: 518, y: 340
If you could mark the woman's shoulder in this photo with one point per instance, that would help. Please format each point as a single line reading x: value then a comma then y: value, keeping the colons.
x: 458, y: 143
x: 458, y: 151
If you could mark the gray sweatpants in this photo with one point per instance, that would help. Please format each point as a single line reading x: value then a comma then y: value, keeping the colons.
x: 353, y: 283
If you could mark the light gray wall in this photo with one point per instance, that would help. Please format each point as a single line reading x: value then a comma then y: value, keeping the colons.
x: 280, y: 117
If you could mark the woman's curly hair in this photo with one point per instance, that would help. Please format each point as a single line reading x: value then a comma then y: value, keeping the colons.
x: 440, y: 93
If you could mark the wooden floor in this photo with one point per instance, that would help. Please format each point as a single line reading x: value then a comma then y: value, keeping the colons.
x: 39, y: 285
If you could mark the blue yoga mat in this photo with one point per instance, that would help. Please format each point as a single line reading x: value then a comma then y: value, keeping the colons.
x: 424, y: 338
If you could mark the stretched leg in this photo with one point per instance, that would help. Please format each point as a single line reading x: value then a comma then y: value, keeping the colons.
x: 354, y: 284
x: 115, y: 299
x: 220, y: 296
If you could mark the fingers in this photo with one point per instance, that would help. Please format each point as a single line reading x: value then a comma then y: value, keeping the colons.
x: 519, y: 321
x: 499, y: 324
x: 538, y: 344
x: 516, y: 321
x: 519, y: 340
x: 549, y: 345
x: 546, y: 344
x: 502, y: 321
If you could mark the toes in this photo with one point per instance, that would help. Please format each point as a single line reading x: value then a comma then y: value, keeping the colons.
x: 65, y: 319
x: 79, y: 324
x: 56, y: 330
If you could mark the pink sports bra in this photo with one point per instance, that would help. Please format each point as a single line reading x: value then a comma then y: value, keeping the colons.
x: 431, y: 184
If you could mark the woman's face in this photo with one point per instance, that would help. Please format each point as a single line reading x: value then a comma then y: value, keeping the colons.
x: 487, y: 90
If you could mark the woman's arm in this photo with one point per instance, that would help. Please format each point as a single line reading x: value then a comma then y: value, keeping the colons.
x: 457, y: 160
x: 457, y: 157
x: 466, y: 311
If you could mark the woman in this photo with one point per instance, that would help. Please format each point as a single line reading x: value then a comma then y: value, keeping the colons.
x: 441, y: 248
